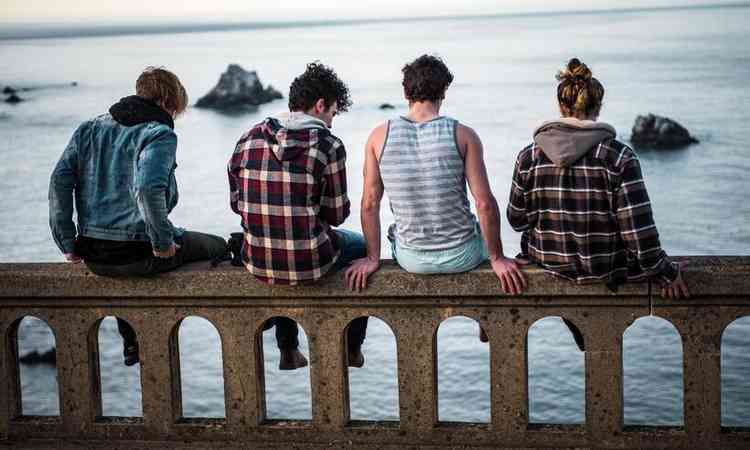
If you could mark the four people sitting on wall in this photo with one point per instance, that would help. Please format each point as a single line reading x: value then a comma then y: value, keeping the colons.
x: 577, y: 195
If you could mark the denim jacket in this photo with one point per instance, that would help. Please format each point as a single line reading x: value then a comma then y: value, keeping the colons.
x: 122, y: 180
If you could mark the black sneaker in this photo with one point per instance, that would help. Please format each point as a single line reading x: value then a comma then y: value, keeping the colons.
x: 235, y: 247
x: 227, y: 256
x: 355, y: 358
x: 233, y: 251
x: 130, y: 353
x: 291, y: 359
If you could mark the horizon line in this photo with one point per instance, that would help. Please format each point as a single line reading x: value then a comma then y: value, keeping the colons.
x: 102, y: 29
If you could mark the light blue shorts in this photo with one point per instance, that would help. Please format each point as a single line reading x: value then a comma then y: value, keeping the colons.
x: 463, y: 258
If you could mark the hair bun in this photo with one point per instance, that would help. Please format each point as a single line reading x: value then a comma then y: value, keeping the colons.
x: 575, y: 71
x: 579, y: 69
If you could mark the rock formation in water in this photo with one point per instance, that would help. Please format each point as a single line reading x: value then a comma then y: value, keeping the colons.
x: 387, y: 106
x: 9, y: 90
x: 13, y: 98
x: 660, y: 133
x: 238, y: 89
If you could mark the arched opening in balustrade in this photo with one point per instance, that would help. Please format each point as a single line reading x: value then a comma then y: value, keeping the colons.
x: 373, y: 386
x: 33, y: 363
x: 463, y: 372
x: 200, y: 366
x: 652, y: 373
x: 117, y: 368
x: 282, y: 345
x: 556, y: 371
x: 735, y: 367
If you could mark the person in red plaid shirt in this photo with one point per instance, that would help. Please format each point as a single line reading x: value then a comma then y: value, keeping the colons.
x: 287, y: 180
x: 579, y: 197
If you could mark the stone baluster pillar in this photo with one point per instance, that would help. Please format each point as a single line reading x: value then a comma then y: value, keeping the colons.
x: 8, y: 377
x: 160, y: 388
x: 415, y: 332
x: 602, y: 332
x: 700, y: 328
x: 328, y: 371
x: 508, y: 371
x: 244, y: 398
x: 76, y: 380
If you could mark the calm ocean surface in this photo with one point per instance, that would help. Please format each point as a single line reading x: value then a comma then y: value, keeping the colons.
x: 691, y: 65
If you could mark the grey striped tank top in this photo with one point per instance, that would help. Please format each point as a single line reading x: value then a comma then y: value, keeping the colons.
x: 423, y: 176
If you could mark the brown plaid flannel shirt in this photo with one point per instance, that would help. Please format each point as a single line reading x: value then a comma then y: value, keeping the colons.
x: 289, y: 187
x: 588, y: 222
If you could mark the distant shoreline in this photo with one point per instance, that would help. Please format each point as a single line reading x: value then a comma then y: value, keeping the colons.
x: 25, y: 31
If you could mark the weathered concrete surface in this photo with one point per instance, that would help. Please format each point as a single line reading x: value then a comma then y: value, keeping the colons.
x: 722, y: 275
x: 72, y: 301
x: 68, y: 281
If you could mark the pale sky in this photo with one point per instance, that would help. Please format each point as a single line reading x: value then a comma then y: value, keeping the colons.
x: 292, y: 10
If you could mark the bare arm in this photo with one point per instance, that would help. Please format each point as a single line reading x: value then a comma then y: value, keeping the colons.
x: 476, y: 176
x: 487, y: 209
x: 372, y: 193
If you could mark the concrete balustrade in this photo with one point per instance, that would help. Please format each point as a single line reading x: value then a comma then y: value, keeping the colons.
x: 72, y: 301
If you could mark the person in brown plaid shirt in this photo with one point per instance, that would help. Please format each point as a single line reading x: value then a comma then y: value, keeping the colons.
x: 579, y: 197
x: 287, y: 181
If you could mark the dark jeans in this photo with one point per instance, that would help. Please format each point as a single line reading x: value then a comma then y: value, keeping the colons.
x: 351, y: 246
x: 194, y: 246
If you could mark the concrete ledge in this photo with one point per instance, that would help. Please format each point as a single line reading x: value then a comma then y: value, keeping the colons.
x: 729, y: 276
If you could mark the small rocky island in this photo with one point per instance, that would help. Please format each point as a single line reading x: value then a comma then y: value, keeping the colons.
x: 238, y: 90
x: 12, y: 95
x: 13, y: 99
x: 660, y: 133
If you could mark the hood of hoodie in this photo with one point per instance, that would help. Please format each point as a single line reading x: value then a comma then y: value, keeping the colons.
x: 289, y: 134
x: 567, y: 140
x: 134, y: 110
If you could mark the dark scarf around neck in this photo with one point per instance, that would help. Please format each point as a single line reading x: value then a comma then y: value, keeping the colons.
x: 135, y: 110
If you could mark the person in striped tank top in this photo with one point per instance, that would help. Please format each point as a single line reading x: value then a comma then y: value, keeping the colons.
x: 424, y: 161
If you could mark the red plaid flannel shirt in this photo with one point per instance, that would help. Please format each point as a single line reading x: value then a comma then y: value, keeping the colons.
x: 289, y: 187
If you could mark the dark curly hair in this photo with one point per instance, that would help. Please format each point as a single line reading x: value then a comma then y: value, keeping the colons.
x: 426, y: 79
x: 318, y: 82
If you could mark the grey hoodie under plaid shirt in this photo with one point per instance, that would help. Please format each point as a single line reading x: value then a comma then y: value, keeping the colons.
x: 579, y: 198
x: 287, y: 180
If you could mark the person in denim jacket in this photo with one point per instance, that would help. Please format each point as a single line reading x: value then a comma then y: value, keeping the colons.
x: 118, y: 174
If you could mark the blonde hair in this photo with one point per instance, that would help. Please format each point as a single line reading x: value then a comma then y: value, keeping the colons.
x: 163, y: 87
x: 579, y: 93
